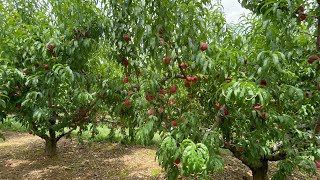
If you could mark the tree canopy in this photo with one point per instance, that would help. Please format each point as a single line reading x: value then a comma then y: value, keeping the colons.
x: 173, y: 67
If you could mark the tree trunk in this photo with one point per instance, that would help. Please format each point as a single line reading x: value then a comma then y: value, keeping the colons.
x: 51, y: 143
x: 131, y: 134
x: 51, y: 146
x: 260, y: 173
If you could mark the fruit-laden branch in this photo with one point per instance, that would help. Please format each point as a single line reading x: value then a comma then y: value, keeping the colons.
x: 181, y: 69
x: 178, y: 76
x: 88, y: 107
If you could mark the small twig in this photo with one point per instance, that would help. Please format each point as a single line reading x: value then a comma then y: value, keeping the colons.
x: 178, y: 76
x: 182, y: 71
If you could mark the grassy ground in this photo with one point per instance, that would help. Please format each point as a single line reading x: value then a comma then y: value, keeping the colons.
x: 11, y: 125
x: 103, y: 136
x: 22, y: 157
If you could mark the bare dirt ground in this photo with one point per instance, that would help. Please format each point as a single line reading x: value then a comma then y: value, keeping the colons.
x: 22, y: 157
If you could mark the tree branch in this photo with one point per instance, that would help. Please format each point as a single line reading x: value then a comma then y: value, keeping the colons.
x: 59, y: 107
x: 277, y: 156
x: 181, y: 70
x: 238, y: 154
x: 178, y: 76
x: 93, y: 102
x: 35, y: 130
x: 64, y: 133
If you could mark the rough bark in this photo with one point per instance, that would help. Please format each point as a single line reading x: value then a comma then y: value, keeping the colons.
x: 51, y: 146
x: 260, y: 173
x: 51, y: 141
x: 260, y: 170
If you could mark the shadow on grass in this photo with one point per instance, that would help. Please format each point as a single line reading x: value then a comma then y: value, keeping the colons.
x: 75, y: 161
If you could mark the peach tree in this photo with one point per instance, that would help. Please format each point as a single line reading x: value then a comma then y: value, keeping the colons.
x: 204, y: 84
x: 55, y: 80
x: 182, y: 71
x: 259, y: 97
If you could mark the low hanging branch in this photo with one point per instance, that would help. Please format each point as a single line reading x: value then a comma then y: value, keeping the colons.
x: 34, y: 128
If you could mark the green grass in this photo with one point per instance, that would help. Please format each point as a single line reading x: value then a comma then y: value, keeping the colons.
x: 156, y: 139
x: 155, y: 172
x: 104, y: 135
x: 225, y: 152
x: 10, y: 124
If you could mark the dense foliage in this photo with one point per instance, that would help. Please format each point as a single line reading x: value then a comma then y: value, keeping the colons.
x: 203, y: 84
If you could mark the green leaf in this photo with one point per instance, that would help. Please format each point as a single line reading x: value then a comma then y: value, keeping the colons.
x: 2, y: 103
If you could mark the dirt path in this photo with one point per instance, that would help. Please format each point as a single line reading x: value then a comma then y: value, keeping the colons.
x: 22, y: 157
